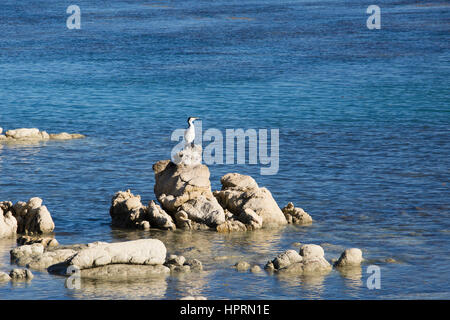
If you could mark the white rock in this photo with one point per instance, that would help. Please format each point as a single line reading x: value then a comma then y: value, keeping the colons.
x: 144, y: 251
x: 309, y: 251
x: 349, y: 258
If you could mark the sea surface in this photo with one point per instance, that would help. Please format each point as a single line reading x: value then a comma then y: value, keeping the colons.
x: 363, y: 117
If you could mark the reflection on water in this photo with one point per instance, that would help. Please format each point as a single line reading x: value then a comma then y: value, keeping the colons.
x: 150, y: 288
x: 352, y: 276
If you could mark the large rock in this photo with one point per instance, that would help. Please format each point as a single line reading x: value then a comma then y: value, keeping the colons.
x: 144, y: 251
x: 296, y: 215
x: 34, y: 134
x: 184, y: 191
x: 310, y: 261
x: 250, y: 204
x: 350, y: 258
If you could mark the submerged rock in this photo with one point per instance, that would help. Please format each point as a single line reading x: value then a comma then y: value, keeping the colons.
x: 296, y: 215
x: 255, y: 269
x: 25, y: 217
x: 180, y: 264
x: 350, y: 258
x: 21, y: 274
x: 310, y: 261
x: 184, y: 191
x: 34, y: 134
x: 4, y: 277
x: 242, y: 266
x: 45, y: 241
x: 249, y: 204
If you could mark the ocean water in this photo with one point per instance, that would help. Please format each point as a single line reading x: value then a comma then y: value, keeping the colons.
x: 363, y: 117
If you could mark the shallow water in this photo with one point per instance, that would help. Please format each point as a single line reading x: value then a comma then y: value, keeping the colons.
x: 364, y: 133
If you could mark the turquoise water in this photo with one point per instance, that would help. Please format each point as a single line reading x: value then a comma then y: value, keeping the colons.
x: 363, y: 117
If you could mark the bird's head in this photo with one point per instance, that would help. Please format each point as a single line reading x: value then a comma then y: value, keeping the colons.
x: 192, y: 119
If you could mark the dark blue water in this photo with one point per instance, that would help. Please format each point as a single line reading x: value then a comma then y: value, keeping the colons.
x: 363, y: 117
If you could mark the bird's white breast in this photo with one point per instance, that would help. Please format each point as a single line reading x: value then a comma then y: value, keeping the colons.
x: 189, y: 134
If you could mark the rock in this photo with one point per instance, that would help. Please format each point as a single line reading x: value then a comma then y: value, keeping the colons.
x: 242, y: 196
x: 159, y: 218
x: 180, y: 269
x: 38, y: 257
x: 194, y: 264
x: 184, y: 191
x: 24, y: 133
x: 65, y: 136
x: 34, y: 134
x: 21, y: 274
x: 190, y: 155
x: 127, y: 211
x: 308, y: 251
x: 180, y: 264
x: 390, y: 260
x: 31, y: 217
x: 286, y: 258
x: 269, y: 266
x: 311, y: 261
x: 231, y: 225
x: 144, y: 251
x: 204, y: 211
x: 176, y: 260
x: 4, y: 276
x: 296, y: 215
x: 350, y: 258
x: 255, y: 269
x: 8, y: 224
x: 242, y: 266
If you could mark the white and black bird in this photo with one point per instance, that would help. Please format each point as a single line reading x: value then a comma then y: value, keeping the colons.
x: 189, y: 134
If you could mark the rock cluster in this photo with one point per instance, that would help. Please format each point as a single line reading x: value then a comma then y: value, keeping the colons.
x: 310, y: 260
x: 25, y: 217
x: 187, y: 202
x: 34, y: 134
